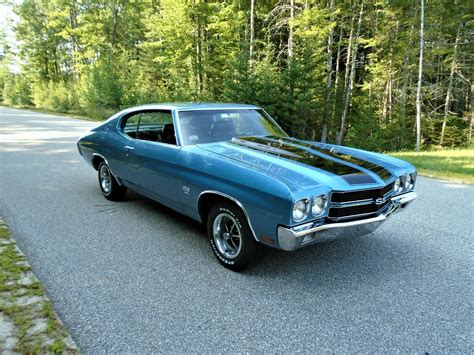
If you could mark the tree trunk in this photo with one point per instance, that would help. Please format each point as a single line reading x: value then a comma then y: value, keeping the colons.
x: 73, y: 24
x: 390, y: 74
x: 450, y: 85
x: 390, y: 82
x: 327, y: 95
x: 385, y: 104
x: 252, y: 33
x: 420, y: 76
x: 115, y: 14
x: 198, y: 59
x: 290, y: 47
x: 348, y: 93
x: 290, y: 35
x: 403, y: 99
x: 349, y: 57
x: 198, y: 53
x: 404, y: 90
x: 471, y: 122
x: 336, y: 74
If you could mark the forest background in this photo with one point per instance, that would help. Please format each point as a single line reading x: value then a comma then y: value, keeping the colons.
x: 383, y: 75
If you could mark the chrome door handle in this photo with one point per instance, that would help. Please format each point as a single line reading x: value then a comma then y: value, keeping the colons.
x: 127, y: 147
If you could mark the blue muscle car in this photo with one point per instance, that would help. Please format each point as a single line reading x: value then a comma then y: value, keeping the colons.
x: 234, y: 169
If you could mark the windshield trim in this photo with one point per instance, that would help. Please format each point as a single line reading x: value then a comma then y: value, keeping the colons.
x: 259, y: 109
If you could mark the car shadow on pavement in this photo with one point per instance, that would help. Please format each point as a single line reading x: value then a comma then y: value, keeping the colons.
x: 366, y: 259
x: 180, y: 219
x: 344, y: 264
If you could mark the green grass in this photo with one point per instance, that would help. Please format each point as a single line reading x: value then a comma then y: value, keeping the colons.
x: 454, y: 165
x: 23, y: 316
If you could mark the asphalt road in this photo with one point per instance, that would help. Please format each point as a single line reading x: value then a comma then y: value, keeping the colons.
x: 136, y: 276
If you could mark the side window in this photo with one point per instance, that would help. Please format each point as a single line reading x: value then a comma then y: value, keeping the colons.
x: 131, y: 125
x: 154, y: 126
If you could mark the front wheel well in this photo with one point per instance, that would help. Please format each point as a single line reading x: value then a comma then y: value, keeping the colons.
x: 207, y: 200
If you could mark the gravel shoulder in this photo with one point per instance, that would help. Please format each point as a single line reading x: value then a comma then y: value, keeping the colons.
x: 28, y: 323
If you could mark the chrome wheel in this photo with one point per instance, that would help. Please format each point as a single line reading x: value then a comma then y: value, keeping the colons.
x: 227, y: 235
x: 105, y: 179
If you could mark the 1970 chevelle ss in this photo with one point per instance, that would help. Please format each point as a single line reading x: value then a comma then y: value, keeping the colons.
x: 234, y: 169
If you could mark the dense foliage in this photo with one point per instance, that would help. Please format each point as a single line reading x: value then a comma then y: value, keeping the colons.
x: 341, y: 71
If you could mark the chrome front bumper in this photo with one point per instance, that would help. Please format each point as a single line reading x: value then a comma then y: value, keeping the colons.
x: 293, y: 238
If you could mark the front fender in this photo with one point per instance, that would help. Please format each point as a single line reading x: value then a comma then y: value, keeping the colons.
x: 265, y: 200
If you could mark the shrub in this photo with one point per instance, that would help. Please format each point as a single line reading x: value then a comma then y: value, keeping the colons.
x: 61, y: 96
x: 97, y: 112
x: 17, y: 91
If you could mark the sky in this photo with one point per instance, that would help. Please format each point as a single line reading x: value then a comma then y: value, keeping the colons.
x: 8, y: 19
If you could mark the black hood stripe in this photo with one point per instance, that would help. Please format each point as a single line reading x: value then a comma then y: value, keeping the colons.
x: 379, y: 170
x: 279, y: 148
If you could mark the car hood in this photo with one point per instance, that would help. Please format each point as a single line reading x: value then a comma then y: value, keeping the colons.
x: 305, y: 164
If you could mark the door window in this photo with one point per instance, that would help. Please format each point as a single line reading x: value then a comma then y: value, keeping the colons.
x: 131, y: 125
x: 153, y: 126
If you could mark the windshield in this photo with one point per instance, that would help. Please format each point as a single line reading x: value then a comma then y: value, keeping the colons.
x: 207, y: 126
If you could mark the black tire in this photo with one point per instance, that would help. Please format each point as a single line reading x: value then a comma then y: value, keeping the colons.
x: 108, y: 184
x: 242, y: 248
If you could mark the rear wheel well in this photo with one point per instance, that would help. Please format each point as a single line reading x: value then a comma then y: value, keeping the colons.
x: 96, y: 160
x: 210, y: 199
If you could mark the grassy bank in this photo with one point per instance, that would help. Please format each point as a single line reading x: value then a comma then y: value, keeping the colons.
x: 456, y: 165
x: 28, y: 323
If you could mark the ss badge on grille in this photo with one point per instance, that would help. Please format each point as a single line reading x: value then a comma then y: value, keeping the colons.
x: 379, y: 201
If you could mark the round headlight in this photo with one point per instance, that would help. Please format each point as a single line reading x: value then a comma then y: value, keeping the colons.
x: 397, y: 186
x: 319, y: 204
x: 300, y: 210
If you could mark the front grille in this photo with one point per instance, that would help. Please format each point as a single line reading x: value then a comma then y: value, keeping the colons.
x: 341, y: 197
x: 367, y: 207
x: 345, y: 212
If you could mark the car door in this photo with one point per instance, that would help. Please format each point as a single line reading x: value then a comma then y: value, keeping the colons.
x: 151, y: 155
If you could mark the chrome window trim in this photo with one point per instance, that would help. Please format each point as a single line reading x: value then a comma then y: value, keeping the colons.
x: 157, y: 143
x: 237, y: 202
x: 177, y: 128
x: 106, y: 162
x: 273, y: 121
x: 121, y: 132
x: 216, y: 108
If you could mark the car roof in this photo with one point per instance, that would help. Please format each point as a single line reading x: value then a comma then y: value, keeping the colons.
x: 188, y: 106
